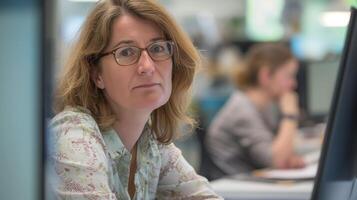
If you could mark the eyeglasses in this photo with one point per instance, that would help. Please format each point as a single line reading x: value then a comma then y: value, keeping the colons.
x: 128, y: 55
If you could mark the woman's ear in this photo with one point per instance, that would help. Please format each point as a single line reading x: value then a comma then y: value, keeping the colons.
x: 264, y: 76
x: 97, y: 79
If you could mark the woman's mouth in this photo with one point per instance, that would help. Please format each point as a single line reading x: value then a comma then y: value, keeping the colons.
x: 148, y: 85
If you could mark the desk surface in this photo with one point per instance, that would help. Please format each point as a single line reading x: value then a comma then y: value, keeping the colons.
x: 249, y: 190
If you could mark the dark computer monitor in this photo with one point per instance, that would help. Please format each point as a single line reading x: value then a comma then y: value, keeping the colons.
x: 321, y: 81
x: 316, y: 82
x: 337, y: 173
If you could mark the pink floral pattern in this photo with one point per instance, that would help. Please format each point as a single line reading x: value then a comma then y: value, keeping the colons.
x: 89, y: 164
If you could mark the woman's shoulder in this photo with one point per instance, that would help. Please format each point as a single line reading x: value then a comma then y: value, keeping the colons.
x: 168, y: 152
x: 75, y: 122
x: 73, y: 116
x: 75, y: 138
x: 240, y: 102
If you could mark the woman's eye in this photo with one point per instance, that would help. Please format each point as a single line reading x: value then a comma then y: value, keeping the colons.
x: 157, y: 48
x: 127, y: 52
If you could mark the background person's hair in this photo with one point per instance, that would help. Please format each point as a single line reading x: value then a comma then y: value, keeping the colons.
x: 270, y: 55
x: 76, y: 88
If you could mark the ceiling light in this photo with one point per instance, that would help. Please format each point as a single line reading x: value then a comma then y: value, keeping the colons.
x: 335, y: 19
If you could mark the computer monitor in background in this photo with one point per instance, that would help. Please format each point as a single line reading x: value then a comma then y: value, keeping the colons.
x: 320, y: 83
x: 336, y: 177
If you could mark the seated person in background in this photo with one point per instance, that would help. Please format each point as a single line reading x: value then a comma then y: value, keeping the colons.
x: 240, y: 138
x: 119, y: 105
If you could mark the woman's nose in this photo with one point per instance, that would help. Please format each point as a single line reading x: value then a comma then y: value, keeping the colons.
x: 145, y: 64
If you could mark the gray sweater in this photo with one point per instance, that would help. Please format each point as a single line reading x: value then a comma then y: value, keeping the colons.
x: 239, y: 138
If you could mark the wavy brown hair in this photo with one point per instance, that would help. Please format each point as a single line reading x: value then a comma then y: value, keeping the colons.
x: 76, y: 88
x: 270, y: 55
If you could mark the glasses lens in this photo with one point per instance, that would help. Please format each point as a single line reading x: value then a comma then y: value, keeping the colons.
x: 127, y: 55
x: 161, y: 50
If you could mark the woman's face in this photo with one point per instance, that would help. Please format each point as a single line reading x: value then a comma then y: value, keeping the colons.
x: 142, y: 86
x: 284, y: 79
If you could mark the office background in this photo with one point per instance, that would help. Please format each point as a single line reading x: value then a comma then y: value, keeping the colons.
x: 314, y: 29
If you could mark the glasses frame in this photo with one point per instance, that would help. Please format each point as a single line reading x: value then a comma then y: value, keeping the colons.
x: 141, y: 50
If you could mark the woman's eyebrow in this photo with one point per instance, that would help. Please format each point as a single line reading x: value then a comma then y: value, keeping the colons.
x: 133, y: 42
x: 157, y: 39
x: 123, y: 42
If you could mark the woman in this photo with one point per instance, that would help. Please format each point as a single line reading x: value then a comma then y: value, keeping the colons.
x: 119, y: 104
x: 241, y: 138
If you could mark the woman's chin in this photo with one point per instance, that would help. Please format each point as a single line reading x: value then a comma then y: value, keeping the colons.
x: 151, y: 105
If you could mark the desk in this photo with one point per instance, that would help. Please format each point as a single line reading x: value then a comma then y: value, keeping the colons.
x: 247, y: 189
x: 232, y: 189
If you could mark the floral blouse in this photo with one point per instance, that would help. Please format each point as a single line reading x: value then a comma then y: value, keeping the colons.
x: 88, y: 164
